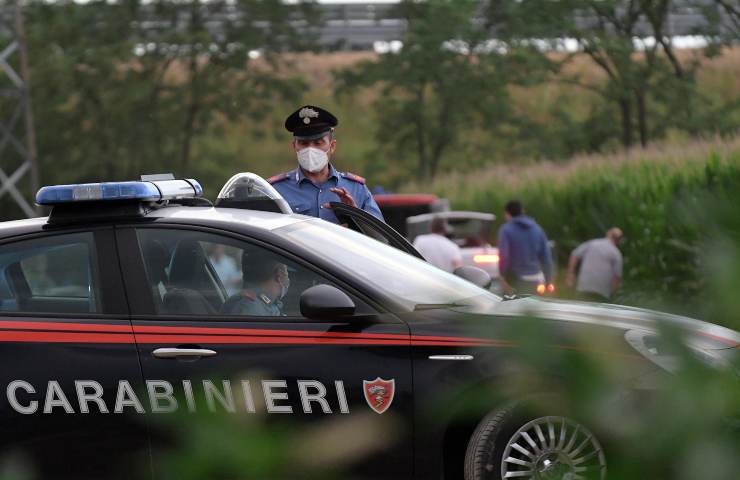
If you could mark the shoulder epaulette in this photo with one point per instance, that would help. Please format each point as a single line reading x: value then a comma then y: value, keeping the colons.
x: 278, y: 178
x: 354, y: 178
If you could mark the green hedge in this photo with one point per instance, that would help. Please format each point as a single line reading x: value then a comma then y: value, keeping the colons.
x: 658, y: 198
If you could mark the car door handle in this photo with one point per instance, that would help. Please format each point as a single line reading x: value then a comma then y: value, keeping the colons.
x: 451, y: 357
x: 183, y: 352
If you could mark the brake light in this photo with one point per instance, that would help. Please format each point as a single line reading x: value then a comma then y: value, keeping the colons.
x: 486, y: 258
x: 551, y: 288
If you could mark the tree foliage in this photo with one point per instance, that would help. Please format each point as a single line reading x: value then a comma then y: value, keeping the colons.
x: 451, y: 77
x: 649, y: 82
x: 444, y: 80
x: 129, y: 87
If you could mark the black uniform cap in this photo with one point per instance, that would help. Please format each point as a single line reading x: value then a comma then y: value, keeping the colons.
x: 310, y: 122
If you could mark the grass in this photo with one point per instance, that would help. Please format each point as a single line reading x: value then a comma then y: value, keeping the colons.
x: 513, y: 179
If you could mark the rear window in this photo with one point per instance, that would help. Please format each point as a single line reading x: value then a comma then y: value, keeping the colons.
x: 49, y: 275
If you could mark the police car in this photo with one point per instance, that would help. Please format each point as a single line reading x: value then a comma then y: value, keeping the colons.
x: 134, y: 300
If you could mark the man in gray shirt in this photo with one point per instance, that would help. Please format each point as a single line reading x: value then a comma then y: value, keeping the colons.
x: 601, y: 267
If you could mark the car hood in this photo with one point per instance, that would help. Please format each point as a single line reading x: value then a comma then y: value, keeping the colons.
x: 621, y: 317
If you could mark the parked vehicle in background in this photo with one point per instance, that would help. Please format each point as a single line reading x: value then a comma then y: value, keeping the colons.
x: 397, y: 207
x: 470, y: 231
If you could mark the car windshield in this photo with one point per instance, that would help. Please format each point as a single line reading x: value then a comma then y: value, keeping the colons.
x: 413, y: 282
x: 469, y: 231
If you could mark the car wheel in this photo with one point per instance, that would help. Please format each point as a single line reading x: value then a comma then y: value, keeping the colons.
x: 507, y: 444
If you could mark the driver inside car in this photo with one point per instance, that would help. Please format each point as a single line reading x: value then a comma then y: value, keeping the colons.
x: 265, y: 283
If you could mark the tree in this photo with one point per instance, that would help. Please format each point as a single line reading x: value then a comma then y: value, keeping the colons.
x: 131, y: 87
x: 732, y: 12
x: 445, y: 78
x: 626, y: 39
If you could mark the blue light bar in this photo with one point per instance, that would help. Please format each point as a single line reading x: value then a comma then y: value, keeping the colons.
x: 112, y: 191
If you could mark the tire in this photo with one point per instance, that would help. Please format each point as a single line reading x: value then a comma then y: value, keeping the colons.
x: 562, y: 449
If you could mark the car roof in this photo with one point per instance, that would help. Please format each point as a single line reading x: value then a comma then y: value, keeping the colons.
x: 251, y: 218
x: 17, y: 227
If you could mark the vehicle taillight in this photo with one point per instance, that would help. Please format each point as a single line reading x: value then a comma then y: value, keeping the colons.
x: 486, y: 258
x: 542, y: 288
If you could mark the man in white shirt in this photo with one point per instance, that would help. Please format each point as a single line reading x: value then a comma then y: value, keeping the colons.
x: 601, y: 267
x: 437, y: 249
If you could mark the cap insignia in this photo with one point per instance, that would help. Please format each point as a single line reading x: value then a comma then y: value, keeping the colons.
x: 307, y: 114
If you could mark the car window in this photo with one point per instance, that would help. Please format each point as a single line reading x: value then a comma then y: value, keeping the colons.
x: 410, y: 280
x: 367, y: 229
x: 199, y: 273
x: 55, y: 274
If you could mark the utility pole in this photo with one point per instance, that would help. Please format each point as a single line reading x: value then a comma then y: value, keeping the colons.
x: 18, y: 156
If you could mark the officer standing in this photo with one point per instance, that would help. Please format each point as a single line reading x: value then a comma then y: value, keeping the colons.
x: 309, y: 188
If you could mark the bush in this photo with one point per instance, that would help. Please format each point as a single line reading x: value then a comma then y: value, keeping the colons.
x: 657, y: 196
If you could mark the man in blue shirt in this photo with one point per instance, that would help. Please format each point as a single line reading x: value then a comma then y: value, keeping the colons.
x: 309, y: 188
x: 525, y: 261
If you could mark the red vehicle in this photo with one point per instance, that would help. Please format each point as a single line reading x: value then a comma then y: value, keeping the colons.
x: 397, y: 207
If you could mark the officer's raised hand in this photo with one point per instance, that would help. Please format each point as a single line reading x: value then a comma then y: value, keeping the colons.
x: 344, y: 197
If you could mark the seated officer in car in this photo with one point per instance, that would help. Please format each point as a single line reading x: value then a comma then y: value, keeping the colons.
x: 265, y: 283
x: 309, y: 188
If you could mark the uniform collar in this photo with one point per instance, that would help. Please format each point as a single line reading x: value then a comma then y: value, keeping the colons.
x: 254, y: 292
x: 300, y: 177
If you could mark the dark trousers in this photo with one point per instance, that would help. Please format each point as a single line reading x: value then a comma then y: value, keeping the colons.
x: 521, y: 287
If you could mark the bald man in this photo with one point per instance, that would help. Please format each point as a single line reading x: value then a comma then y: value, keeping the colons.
x: 601, y: 267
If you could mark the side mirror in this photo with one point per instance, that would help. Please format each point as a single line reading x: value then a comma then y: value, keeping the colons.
x: 474, y: 275
x: 324, y: 302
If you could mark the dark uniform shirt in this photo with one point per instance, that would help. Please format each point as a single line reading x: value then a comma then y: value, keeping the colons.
x: 306, y: 198
x: 254, y: 303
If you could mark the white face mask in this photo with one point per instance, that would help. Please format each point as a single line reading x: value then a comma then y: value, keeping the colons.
x: 312, y: 159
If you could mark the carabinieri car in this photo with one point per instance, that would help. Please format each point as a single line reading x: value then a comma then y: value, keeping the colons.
x: 135, y: 300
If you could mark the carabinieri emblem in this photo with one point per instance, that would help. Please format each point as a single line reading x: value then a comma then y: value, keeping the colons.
x: 379, y: 393
x: 307, y: 114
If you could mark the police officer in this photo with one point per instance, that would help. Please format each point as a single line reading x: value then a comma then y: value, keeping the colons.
x: 309, y: 188
x: 265, y: 283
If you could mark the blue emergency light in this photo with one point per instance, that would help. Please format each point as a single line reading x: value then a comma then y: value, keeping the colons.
x: 143, y: 191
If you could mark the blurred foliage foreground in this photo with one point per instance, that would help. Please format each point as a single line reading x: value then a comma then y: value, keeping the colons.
x: 687, y: 428
x: 682, y: 426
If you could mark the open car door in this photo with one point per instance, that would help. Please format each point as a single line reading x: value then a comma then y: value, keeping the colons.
x: 361, y: 221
